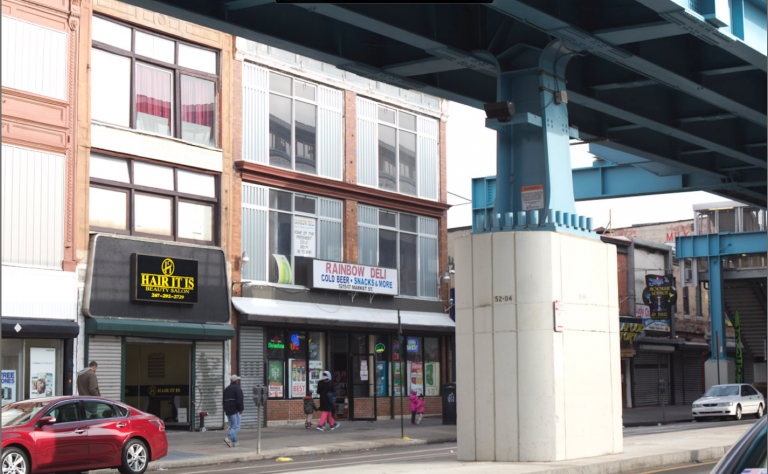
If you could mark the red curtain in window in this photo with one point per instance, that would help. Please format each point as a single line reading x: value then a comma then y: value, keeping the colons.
x: 197, y: 101
x: 153, y: 92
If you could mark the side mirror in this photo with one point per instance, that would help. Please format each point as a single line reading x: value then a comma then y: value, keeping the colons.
x: 47, y: 420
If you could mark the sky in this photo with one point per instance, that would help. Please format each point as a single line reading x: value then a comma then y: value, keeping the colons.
x: 472, y: 154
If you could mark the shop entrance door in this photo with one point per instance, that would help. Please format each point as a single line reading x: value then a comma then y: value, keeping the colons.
x: 362, y: 402
x: 157, y: 380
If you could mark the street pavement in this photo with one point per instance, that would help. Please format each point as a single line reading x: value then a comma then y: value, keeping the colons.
x: 673, y: 449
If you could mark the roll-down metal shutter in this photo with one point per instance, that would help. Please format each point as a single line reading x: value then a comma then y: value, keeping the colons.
x: 677, y: 368
x: 646, y: 379
x: 749, y: 368
x: 107, y: 351
x: 209, y: 382
x: 692, y: 373
x: 251, y: 361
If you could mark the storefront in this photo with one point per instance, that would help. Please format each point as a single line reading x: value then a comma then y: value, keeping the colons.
x: 40, y: 328
x: 287, y: 338
x: 157, y: 324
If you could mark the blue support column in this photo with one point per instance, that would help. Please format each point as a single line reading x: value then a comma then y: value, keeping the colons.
x: 533, y: 149
x: 717, y: 308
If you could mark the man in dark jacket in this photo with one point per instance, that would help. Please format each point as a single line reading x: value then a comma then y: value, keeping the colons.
x: 233, y: 407
x: 327, y: 401
x: 87, y: 383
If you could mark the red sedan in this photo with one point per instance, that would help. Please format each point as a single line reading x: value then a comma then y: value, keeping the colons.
x: 79, y: 434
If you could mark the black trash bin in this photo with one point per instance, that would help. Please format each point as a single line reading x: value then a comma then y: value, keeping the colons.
x: 449, y: 404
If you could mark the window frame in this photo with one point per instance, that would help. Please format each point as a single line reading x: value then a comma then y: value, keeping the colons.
x: 398, y: 230
x: 398, y: 129
x: 293, y: 98
x: 175, y: 197
x: 293, y: 212
x: 176, y: 70
x: 285, y: 336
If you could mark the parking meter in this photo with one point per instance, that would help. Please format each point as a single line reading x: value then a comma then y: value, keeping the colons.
x: 260, y: 395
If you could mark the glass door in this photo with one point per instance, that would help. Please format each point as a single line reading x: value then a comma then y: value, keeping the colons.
x: 362, y: 403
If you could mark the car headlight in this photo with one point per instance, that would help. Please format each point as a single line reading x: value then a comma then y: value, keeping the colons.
x: 727, y: 404
x: 696, y: 406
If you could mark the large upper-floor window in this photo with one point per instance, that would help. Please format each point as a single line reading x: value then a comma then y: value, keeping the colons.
x: 291, y: 123
x: 403, y: 241
x: 152, y: 83
x: 397, y: 150
x: 136, y: 197
x: 283, y: 231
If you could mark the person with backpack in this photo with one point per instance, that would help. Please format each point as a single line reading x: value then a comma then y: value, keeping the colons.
x: 327, y: 401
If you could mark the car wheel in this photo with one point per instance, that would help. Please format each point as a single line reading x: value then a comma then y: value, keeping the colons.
x: 737, y: 416
x: 759, y: 413
x: 135, y: 458
x: 15, y: 461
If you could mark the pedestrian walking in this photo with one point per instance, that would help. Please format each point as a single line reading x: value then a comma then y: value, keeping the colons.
x: 309, y: 410
x: 233, y: 407
x: 414, y: 405
x: 87, y: 382
x: 327, y: 401
x: 420, y: 409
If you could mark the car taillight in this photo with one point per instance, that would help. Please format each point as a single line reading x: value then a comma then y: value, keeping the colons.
x: 159, y: 423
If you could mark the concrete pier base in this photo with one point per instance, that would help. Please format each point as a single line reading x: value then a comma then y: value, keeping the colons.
x: 727, y: 372
x: 524, y: 391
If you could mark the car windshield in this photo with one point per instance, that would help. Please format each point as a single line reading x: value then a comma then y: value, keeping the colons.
x: 722, y: 391
x: 19, y: 413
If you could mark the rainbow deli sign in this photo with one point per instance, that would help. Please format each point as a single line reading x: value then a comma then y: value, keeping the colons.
x: 350, y: 277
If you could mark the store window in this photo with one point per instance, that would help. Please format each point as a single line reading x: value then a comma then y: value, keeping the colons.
x: 398, y: 150
x: 135, y: 197
x: 31, y: 369
x: 403, y: 241
x: 283, y: 232
x: 151, y: 83
x: 13, y: 371
x: 432, y: 366
x: 292, y: 124
x: 295, y: 363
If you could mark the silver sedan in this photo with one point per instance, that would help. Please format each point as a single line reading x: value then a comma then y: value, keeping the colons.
x: 729, y: 401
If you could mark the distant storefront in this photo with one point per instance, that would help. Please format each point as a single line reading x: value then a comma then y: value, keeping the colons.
x: 157, y: 321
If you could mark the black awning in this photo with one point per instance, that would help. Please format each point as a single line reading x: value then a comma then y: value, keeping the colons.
x: 40, y: 328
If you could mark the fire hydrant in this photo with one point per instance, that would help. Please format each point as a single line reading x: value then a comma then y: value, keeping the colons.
x: 203, y: 414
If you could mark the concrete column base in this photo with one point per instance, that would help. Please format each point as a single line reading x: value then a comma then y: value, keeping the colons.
x: 524, y: 391
x: 727, y: 372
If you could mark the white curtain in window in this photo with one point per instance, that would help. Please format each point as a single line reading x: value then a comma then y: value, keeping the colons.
x: 330, y: 240
x: 428, y: 158
x: 254, y: 231
x: 367, y: 168
x: 330, y: 133
x: 255, y: 114
x: 428, y: 267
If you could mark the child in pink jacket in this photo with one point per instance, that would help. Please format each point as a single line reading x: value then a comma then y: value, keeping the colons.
x: 417, y: 407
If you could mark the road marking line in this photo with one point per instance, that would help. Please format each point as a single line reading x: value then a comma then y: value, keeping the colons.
x: 318, y: 460
x: 680, y: 467
x: 407, y: 458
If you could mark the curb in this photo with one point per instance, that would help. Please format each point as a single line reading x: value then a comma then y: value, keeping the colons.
x: 645, y: 462
x: 634, y: 424
x: 271, y: 454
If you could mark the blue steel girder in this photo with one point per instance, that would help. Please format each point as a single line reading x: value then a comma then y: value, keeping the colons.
x: 714, y: 247
x: 720, y: 245
x: 613, y: 181
x: 442, y: 50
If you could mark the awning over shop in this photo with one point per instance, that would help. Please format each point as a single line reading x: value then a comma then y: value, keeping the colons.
x: 39, y: 328
x: 139, y: 328
x: 264, y: 310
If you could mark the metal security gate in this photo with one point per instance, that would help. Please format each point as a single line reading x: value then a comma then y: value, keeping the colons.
x: 107, y: 351
x: 251, y: 360
x: 692, y: 369
x: 650, y: 367
x: 209, y: 382
x: 677, y: 369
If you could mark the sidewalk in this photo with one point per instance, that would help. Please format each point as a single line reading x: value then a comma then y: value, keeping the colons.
x: 640, y: 452
x: 651, y: 416
x: 187, y: 449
